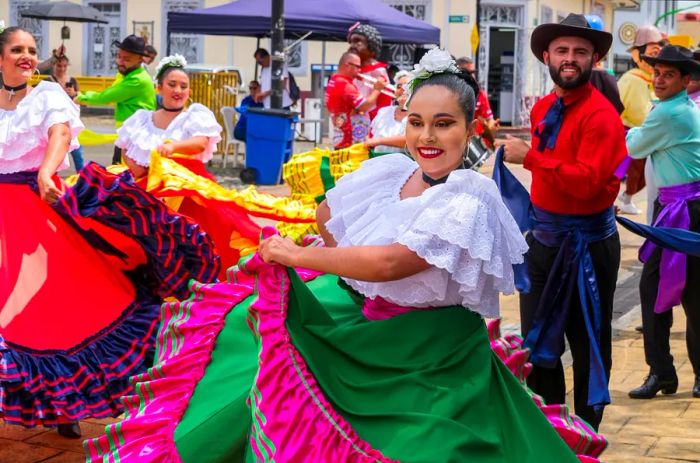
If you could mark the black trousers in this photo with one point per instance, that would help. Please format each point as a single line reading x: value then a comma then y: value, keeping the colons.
x: 117, y: 156
x: 657, y: 327
x: 550, y: 382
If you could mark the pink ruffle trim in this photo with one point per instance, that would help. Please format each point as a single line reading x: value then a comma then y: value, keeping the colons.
x: 185, y: 343
x: 305, y: 426
x: 579, y: 436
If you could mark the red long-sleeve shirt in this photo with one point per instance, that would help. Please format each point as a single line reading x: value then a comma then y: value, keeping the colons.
x: 577, y: 175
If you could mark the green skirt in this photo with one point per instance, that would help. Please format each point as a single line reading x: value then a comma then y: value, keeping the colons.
x: 294, y: 372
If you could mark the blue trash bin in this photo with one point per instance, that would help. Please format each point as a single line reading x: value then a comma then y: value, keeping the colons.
x: 269, y: 142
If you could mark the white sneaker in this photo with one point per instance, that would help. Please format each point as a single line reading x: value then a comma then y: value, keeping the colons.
x: 629, y: 208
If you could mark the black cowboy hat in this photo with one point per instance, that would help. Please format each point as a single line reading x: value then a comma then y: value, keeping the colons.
x: 676, y: 56
x: 132, y: 44
x: 573, y: 25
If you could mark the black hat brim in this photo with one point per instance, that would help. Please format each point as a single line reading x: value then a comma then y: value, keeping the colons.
x: 545, y: 33
x: 121, y: 46
x: 689, y: 66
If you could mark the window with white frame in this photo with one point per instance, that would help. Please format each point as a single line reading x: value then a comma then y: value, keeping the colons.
x: 401, y: 54
x: 37, y: 27
x: 188, y: 45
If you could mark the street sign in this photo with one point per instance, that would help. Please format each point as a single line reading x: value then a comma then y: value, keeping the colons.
x: 459, y: 18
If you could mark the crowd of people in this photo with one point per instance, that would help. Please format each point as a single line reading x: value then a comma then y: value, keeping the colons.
x: 367, y: 342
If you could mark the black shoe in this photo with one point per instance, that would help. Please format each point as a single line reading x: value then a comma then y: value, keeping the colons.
x: 653, y: 384
x: 639, y: 328
x: 69, y: 430
x: 696, y: 387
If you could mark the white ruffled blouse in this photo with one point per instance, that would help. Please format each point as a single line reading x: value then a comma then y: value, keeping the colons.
x: 461, y: 227
x: 139, y: 135
x: 24, y: 131
x: 384, y: 125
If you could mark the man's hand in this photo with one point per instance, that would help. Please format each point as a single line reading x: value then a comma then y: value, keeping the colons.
x: 260, y: 97
x: 514, y: 149
x: 379, y: 85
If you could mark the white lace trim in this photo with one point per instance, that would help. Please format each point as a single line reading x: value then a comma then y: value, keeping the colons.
x: 24, y: 130
x: 461, y: 227
x: 139, y: 136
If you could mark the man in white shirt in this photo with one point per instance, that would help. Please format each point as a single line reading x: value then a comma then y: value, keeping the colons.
x: 262, y: 57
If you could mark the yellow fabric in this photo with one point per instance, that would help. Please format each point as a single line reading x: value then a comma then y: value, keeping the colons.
x: 302, y: 173
x: 167, y: 175
x: 347, y: 160
x: 89, y: 138
x: 170, y: 178
x: 636, y: 93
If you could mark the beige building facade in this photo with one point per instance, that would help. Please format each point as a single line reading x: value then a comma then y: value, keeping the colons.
x: 513, y: 78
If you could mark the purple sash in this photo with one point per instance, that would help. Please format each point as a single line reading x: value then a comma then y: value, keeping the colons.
x: 672, y: 270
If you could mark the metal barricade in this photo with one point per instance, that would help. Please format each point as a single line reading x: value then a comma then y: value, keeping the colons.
x: 215, y: 90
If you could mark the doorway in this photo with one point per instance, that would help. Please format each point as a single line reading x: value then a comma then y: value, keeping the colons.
x: 101, y: 53
x: 501, y: 75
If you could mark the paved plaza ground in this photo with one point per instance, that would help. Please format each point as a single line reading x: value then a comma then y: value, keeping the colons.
x: 662, y: 430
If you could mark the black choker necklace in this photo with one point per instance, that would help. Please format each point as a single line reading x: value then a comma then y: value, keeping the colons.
x: 172, y: 110
x: 11, y: 90
x: 432, y: 181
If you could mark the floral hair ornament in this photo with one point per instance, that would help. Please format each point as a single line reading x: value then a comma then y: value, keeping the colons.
x: 2, y: 26
x: 436, y: 61
x: 172, y: 61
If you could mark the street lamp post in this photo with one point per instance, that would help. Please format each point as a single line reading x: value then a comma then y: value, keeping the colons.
x: 277, y: 55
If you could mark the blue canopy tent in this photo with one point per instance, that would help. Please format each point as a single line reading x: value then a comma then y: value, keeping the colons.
x: 325, y: 19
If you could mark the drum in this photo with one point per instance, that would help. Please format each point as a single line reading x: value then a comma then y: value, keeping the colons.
x: 477, y: 154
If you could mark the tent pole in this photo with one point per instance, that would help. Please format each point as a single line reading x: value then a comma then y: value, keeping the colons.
x: 257, y: 46
x: 324, y: 115
x: 277, y: 55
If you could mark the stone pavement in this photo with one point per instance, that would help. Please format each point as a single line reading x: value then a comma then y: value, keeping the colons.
x: 662, y: 430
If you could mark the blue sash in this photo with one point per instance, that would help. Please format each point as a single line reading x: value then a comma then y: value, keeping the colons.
x: 676, y: 239
x: 517, y: 200
x: 571, y: 273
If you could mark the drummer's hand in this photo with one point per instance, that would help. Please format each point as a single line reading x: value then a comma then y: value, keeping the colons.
x: 279, y: 250
x: 514, y: 149
x: 379, y: 85
x: 166, y: 149
x: 48, y: 191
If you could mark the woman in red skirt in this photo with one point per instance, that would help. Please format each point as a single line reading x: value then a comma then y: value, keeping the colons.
x: 83, y: 270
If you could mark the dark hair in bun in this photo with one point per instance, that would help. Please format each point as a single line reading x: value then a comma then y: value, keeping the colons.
x: 160, y: 77
x: 461, y: 84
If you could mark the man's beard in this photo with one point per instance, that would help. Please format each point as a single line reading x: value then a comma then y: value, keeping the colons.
x: 583, y: 77
x: 123, y: 70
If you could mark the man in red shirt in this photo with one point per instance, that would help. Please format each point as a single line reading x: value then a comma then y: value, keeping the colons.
x: 346, y: 105
x: 577, y: 143
x: 366, y: 42
x: 482, y: 109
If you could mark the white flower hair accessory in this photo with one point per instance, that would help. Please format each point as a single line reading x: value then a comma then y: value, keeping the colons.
x: 436, y: 61
x: 172, y: 61
x: 2, y: 26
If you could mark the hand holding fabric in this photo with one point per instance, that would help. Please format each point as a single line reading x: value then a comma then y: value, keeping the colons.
x: 514, y: 149
x: 48, y: 191
x: 166, y: 149
x: 276, y: 249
